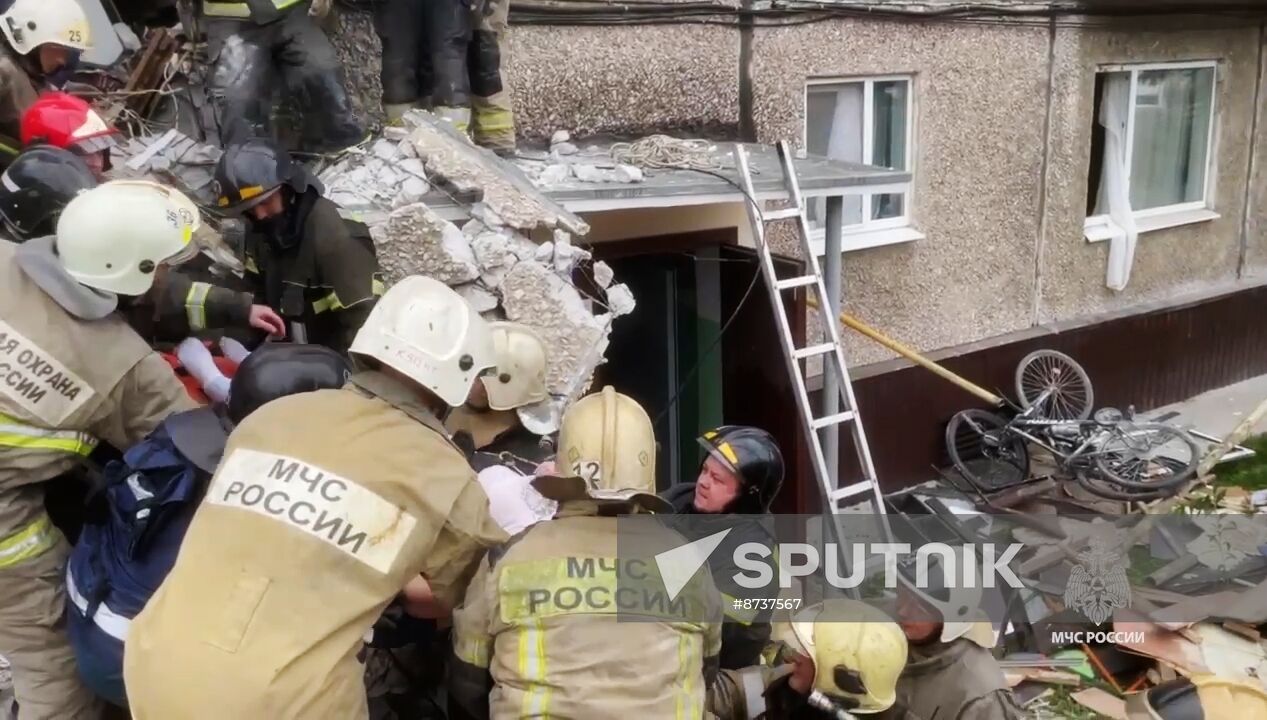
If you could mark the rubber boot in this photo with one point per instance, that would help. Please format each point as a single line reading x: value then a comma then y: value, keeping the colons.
x: 460, y: 118
x: 396, y: 111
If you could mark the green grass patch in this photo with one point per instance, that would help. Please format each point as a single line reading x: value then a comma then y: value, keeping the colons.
x: 1142, y: 564
x: 1249, y: 473
x: 1061, y: 705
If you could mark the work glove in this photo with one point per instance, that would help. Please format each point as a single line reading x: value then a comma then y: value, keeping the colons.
x: 319, y: 8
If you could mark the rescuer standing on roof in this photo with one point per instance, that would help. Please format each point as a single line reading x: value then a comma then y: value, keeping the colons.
x: 303, y: 259
x: 43, y: 41
x: 843, y: 655
x: 325, y: 505
x: 67, y: 122
x: 548, y: 625
x: 120, y: 560
x: 257, y: 43
x: 449, y: 56
x: 741, y: 474
x: 72, y: 373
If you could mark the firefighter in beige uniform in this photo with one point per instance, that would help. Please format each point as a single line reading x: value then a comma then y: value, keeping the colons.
x: 71, y: 372
x: 325, y: 505
x: 539, y: 625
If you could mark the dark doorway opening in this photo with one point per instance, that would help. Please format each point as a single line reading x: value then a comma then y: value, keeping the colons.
x: 667, y: 354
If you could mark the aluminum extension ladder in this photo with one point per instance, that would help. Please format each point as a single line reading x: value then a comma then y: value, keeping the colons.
x: 831, y: 351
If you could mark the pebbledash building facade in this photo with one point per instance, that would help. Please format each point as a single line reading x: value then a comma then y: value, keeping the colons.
x: 1087, y: 183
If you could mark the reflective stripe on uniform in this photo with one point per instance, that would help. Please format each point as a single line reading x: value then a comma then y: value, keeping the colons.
x: 532, y: 669
x: 110, y: 622
x: 29, y: 542
x: 753, y: 691
x: 219, y: 9
x: 491, y: 120
x: 14, y: 433
x: 196, y: 305
x: 329, y: 302
x: 332, y: 302
x: 690, y: 664
x: 472, y: 650
x: 239, y: 10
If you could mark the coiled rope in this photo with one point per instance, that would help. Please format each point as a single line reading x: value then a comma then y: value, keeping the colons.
x: 662, y: 151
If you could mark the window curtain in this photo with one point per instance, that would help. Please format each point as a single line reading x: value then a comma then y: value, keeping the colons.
x: 1172, y: 122
x: 1115, y: 193
x: 846, y: 140
x: 888, y: 148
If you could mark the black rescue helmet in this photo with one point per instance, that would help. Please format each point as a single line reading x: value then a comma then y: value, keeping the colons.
x: 753, y: 455
x: 37, y: 186
x: 249, y: 172
x: 276, y: 370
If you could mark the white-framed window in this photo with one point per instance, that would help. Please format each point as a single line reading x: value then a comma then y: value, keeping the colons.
x: 869, y: 121
x: 1152, y: 148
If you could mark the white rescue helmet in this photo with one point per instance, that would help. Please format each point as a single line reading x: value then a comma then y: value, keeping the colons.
x: 116, y: 235
x: 424, y: 330
x: 521, y: 367
x: 958, y: 606
x: 858, y: 652
x: 29, y: 24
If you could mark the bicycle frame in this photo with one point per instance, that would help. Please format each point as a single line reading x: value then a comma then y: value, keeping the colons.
x: 1024, y: 420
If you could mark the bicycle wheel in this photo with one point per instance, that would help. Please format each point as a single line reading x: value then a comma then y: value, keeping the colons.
x: 1107, y: 490
x: 984, y: 451
x: 1070, y: 396
x: 1147, y: 456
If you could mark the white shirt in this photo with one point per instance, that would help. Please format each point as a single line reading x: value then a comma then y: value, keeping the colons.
x: 512, y: 501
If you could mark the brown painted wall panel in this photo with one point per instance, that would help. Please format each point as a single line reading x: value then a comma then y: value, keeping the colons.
x: 1147, y: 360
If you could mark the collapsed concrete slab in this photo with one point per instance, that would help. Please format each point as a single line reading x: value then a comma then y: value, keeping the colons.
x: 416, y: 241
x: 496, y: 183
x: 534, y: 295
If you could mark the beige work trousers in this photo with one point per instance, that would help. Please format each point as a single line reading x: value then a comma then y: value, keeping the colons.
x: 493, y: 119
x: 33, y: 638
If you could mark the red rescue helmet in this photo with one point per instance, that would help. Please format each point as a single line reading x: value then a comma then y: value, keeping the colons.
x: 65, y: 121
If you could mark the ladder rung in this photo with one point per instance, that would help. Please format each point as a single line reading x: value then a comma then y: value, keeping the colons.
x: 800, y: 281
x: 838, y: 418
x: 849, y: 491
x: 784, y: 214
x: 811, y: 351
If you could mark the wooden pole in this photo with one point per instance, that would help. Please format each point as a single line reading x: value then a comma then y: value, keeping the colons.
x: 857, y: 325
x: 1233, y: 439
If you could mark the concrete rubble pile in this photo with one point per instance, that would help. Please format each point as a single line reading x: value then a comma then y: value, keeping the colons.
x: 491, y: 259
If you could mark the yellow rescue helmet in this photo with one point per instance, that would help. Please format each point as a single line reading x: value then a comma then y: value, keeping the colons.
x: 858, y: 652
x: 521, y: 367
x: 606, y: 453
x: 1217, y: 697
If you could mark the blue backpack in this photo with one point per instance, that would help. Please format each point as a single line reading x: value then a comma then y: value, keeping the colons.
x: 152, y: 495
